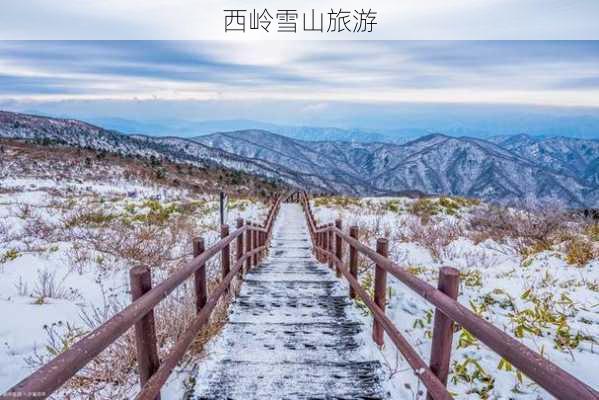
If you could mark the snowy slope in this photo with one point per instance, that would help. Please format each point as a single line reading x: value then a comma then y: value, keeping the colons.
x: 69, y: 234
x: 505, y: 170
x: 534, y: 293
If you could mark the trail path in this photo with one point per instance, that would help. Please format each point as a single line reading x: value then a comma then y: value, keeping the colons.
x: 292, y: 333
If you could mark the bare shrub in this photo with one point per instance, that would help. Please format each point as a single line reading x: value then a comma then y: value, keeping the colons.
x: 36, y: 227
x: 538, y: 228
x: 22, y: 288
x: 372, y: 228
x: 113, y: 373
x: 3, y: 231
x: 107, y: 376
x: 23, y: 210
x: 434, y: 237
x: 47, y: 286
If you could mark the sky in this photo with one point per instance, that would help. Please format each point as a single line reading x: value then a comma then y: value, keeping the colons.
x: 294, y: 82
x: 202, y: 20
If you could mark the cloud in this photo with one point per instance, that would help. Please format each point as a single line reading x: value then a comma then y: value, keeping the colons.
x: 546, y: 73
x: 193, y: 19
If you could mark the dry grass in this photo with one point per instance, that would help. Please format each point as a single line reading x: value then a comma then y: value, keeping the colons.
x: 65, y: 163
x: 579, y: 252
x: 336, y: 201
x: 115, y: 232
x: 592, y: 231
x: 434, y: 237
x: 539, y: 229
x: 113, y: 374
x: 425, y: 209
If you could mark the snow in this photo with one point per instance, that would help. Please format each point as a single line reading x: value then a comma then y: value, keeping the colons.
x: 495, y: 276
x: 82, y: 286
x: 504, y: 275
x: 292, y: 333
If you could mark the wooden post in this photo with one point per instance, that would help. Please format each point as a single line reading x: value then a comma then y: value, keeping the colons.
x: 338, y: 246
x: 199, y: 277
x: 320, y: 242
x: 259, y: 245
x: 353, y: 259
x: 239, y: 250
x: 145, y: 330
x: 248, y: 246
x: 325, y: 245
x: 317, y: 246
x: 225, y: 254
x: 380, y: 290
x: 222, y: 207
x: 449, y: 283
x: 255, y: 245
x: 330, y: 249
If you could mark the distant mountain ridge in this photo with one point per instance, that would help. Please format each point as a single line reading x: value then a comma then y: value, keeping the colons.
x: 504, y: 169
x: 183, y: 128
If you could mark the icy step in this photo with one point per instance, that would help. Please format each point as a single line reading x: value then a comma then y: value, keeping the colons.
x: 284, y: 268
x: 291, y: 309
x: 297, y: 267
x: 285, y: 288
x: 240, y: 380
x: 295, y: 342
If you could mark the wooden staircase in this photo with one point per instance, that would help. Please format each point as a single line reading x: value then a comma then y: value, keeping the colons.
x: 292, y: 332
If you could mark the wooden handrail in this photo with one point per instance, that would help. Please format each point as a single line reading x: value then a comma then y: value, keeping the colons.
x: 152, y: 388
x: 545, y: 373
x: 430, y: 381
x: 51, y: 376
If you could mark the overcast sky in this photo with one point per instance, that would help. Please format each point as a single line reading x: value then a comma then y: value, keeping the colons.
x: 203, y: 19
x: 121, y: 74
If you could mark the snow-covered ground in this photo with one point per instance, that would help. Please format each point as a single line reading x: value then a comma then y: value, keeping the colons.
x: 543, y: 291
x: 66, y: 247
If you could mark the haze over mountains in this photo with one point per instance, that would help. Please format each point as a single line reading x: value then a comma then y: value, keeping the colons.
x: 502, y: 168
x: 395, y: 129
x: 365, y: 122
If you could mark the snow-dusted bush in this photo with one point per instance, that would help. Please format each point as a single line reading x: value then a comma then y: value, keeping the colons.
x: 524, y: 227
x: 66, y: 248
x: 531, y: 272
x: 434, y: 237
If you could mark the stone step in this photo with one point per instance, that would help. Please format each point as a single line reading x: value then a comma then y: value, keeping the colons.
x: 241, y: 380
x: 295, y: 342
x: 290, y: 309
x: 277, y: 288
x: 290, y: 335
x: 293, y: 267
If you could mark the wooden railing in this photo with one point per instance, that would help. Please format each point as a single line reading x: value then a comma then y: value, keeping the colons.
x: 328, y: 244
x: 153, y: 372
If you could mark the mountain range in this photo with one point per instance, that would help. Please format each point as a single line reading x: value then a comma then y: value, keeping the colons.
x: 502, y: 168
x: 187, y: 128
